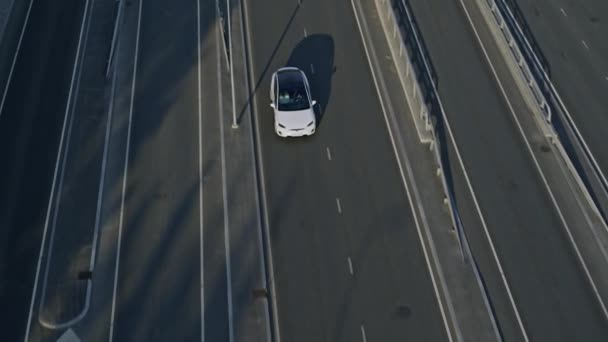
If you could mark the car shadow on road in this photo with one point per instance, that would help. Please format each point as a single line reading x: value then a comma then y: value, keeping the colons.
x: 315, y: 56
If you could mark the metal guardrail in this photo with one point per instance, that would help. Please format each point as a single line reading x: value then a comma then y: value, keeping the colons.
x: 420, y: 101
x: 531, y: 80
x: 409, y: 72
x: 502, y: 8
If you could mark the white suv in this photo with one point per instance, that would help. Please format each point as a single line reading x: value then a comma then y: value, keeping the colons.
x: 294, y: 114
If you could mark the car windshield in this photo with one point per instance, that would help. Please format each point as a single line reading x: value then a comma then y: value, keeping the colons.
x: 292, y: 94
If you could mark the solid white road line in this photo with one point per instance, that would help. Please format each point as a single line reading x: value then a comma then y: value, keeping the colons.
x: 200, y: 164
x: 405, y: 184
x: 56, y: 173
x: 225, y: 195
x: 10, y: 73
x: 125, y: 173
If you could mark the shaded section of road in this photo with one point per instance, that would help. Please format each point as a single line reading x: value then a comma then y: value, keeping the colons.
x: 30, y: 127
x: 549, y: 288
x: 158, y: 294
x: 323, y: 212
x: 69, y: 247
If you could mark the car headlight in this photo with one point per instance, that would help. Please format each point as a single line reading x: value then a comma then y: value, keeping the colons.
x: 281, y: 126
x: 310, y: 124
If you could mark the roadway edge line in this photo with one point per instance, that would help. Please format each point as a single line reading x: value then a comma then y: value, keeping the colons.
x: 125, y: 173
x: 58, y: 162
x: 16, y: 55
x: 275, y: 331
x: 412, y: 208
x: 538, y: 168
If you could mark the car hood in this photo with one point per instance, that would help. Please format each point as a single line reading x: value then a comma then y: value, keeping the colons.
x: 295, y: 119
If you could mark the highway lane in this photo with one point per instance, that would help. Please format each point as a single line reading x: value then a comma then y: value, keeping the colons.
x: 336, y: 199
x: 30, y: 129
x: 158, y: 294
x: 572, y: 39
x: 548, y: 286
x: 189, y: 259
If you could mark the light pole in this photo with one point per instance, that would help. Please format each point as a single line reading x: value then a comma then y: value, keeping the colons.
x: 229, y: 15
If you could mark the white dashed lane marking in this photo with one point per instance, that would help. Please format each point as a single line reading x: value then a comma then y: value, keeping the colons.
x: 350, y: 266
x: 363, y: 334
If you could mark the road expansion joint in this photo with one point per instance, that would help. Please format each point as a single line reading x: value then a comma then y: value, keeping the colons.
x: 583, y: 224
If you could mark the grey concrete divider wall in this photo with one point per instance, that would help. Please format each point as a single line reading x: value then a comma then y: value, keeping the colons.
x: 410, y: 75
x: 422, y: 106
x: 395, y: 34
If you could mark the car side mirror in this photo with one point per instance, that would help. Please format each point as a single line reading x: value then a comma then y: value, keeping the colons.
x: 272, y: 105
x: 314, y: 102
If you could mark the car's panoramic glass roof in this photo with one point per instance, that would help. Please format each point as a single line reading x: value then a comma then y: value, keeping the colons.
x: 291, y: 92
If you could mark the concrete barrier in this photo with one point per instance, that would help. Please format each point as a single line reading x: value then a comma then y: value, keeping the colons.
x: 412, y: 78
x: 396, y: 36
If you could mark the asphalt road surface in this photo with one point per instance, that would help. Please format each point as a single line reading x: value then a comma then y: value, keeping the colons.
x: 348, y: 261
x: 30, y: 127
x: 572, y: 40
x: 335, y: 199
x: 188, y: 263
x: 158, y: 295
x: 548, y: 285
